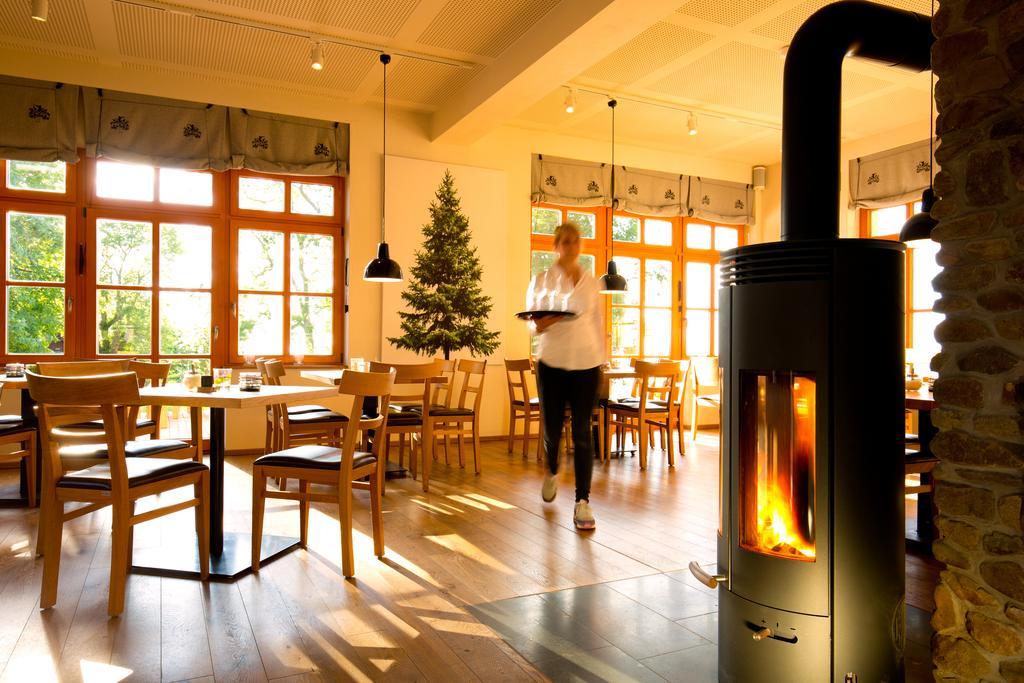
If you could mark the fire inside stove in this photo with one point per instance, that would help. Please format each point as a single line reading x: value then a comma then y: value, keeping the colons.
x: 777, y: 445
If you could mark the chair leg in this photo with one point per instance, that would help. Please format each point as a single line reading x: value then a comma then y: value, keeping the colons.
x: 462, y: 458
x: 303, y: 513
x: 345, y: 524
x: 476, y: 445
x: 427, y: 459
x: 131, y: 537
x: 643, y: 436
x: 54, y: 530
x: 118, y: 559
x: 202, y: 493
x: 526, y: 434
x: 667, y: 440
x: 693, y: 418
x: 259, y: 485
x: 540, y: 440
x: 376, y: 512
x: 30, y: 469
x: 511, y: 427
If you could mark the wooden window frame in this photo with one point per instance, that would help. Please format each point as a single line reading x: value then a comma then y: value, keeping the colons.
x: 93, y: 200
x: 287, y: 214
x: 69, y: 196
x: 287, y: 227
x: 712, y: 257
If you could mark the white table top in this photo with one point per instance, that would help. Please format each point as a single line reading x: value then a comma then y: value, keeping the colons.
x: 233, y: 397
x: 332, y: 377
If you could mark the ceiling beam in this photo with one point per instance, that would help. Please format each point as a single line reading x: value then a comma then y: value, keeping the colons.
x: 564, y: 42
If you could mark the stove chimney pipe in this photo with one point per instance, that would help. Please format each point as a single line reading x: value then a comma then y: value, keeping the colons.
x: 811, y: 101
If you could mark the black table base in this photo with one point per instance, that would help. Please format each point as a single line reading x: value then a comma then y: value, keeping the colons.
x: 233, y: 562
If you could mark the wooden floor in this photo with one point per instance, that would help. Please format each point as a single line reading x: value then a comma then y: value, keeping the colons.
x: 471, y: 540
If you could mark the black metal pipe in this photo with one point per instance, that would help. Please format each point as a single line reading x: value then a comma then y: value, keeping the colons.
x: 811, y: 101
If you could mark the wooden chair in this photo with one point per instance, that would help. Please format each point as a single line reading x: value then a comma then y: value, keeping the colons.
x: 154, y: 375
x: 461, y: 420
x: 82, y: 368
x: 309, y: 423
x: 118, y: 481
x: 410, y: 403
x: 14, y: 431
x: 521, y: 405
x: 342, y: 467
x: 704, y: 385
x: 639, y: 417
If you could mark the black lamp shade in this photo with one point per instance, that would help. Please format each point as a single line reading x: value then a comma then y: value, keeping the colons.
x: 920, y: 225
x: 382, y: 268
x: 612, y: 282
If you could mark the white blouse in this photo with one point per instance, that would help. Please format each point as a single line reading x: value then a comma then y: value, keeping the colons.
x: 577, y: 343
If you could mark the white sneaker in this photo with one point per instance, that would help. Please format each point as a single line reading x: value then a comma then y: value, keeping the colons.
x: 583, y: 516
x: 550, y: 488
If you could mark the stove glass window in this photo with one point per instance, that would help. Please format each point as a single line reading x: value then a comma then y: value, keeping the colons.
x: 777, y: 450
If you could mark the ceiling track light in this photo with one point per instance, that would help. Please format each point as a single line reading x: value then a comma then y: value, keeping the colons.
x: 691, y: 123
x: 40, y: 9
x: 570, y: 101
x: 316, y: 56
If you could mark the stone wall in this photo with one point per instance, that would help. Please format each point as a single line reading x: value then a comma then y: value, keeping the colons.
x: 979, y: 63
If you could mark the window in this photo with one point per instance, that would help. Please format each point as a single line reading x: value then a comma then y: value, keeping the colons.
x: 704, y: 244
x: 921, y: 269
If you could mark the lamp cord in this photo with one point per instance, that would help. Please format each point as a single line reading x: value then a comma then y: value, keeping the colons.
x: 931, y: 120
x: 384, y: 58
x: 611, y: 250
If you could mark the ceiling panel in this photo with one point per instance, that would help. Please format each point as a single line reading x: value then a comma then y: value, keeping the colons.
x: 783, y: 27
x: 483, y: 27
x: 413, y: 80
x: 652, y: 49
x: 895, y: 109
x: 726, y: 13
x: 378, y: 17
x: 201, y: 44
x: 67, y: 24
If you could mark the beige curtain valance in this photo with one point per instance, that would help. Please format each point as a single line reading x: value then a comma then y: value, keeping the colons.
x: 895, y: 176
x: 652, y: 193
x: 275, y: 143
x: 37, y: 120
x: 720, y: 201
x: 570, y: 182
x: 152, y: 130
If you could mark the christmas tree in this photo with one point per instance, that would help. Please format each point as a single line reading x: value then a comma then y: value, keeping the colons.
x: 449, y: 309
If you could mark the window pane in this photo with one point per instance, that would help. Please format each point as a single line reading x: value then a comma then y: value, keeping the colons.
x: 261, y: 194
x: 544, y: 221
x: 259, y: 324
x: 35, y: 247
x: 586, y: 222
x: 917, y: 207
x: 260, y: 258
x: 698, y: 333
x: 35, y: 320
x: 124, y: 181
x: 587, y: 262
x: 698, y: 285
x: 923, y: 330
x: 625, y: 331
x: 629, y: 268
x: 312, y: 262
x: 312, y: 325
x: 658, y: 232
x: 123, y: 321
x: 715, y: 333
x: 186, y: 187
x: 313, y: 199
x: 657, y: 332
x: 41, y: 176
x: 698, y: 236
x: 726, y: 238
x: 658, y: 283
x: 541, y: 261
x: 626, y: 229
x: 923, y: 253
x: 125, y: 253
x: 888, y: 221
x: 186, y: 254
x: 184, y: 323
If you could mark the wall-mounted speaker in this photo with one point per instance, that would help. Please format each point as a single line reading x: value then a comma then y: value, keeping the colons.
x: 758, y: 177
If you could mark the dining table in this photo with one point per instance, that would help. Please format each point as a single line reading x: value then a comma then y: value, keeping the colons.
x: 230, y: 551
x: 922, y: 401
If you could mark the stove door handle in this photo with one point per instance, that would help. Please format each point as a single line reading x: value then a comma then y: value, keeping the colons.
x: 709, y: 580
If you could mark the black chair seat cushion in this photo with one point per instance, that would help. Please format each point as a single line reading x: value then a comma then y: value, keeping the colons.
x: 410, y: 408
x: 535, y: 401
x: 445, y: 411
x: 314, y: 457
x: 298, y: 410
x: 9, y: 419
x: 13, y: 424
x: 317, y: 417
x: 912, y: 438
x: 98, y: 424
x: 404, y: 419
x: 132, y: 449
x: 652, y: 407
x: 141, y: 471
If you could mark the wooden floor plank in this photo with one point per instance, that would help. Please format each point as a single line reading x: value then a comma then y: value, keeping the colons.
x: 233, y: 648
x: 184, y: 643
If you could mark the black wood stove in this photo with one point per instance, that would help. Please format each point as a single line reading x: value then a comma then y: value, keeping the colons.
x: 810, y: 547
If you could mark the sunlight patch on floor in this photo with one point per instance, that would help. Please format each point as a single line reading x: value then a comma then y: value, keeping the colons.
x: 97, y: 672
x: 491, y: 501
x: 471, y: 503
x: 458, y: 544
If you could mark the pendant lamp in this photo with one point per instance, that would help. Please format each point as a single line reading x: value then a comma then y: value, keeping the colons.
x: 611, y: 282
x: 920, y: 225
x: 383, y: 268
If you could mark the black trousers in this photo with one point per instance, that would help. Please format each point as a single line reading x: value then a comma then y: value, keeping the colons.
x: 578, y: 389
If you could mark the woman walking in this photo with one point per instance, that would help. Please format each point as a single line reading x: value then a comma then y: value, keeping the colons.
x: 570, y: 354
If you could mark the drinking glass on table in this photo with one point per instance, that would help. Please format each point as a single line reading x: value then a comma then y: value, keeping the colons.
x: 221, y: 378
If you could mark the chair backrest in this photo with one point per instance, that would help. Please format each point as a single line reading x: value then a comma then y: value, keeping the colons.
x: 153, y: 373
x: 515, y: 372
x: 271, y: 370
x: 473, y: 373
x: 80, y: 368
x: 685, y: 368
x: 705, y: 373
x: 656, y: 376
x: 443, y: 391
x: 360, y: 386
x: 70, y: 400
x: 410, y: 379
